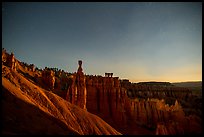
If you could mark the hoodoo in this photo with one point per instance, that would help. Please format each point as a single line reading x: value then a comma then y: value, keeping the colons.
x: 77, y: 91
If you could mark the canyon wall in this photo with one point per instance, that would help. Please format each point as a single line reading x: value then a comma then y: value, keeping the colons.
x: 158, y: 91
x: 107, y: 98
x: 130, y: 108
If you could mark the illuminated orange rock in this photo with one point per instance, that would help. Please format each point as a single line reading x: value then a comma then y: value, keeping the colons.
x: 29, y: 109
x: 9, y: 60
x: 32, y: 67
x: 111, y: 99
x: 161, y: 129
x: 113, y: 103
x: 4, y: 56
x: 48, y: 77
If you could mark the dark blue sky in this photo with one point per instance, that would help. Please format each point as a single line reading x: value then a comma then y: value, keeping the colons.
x: 138, y: 41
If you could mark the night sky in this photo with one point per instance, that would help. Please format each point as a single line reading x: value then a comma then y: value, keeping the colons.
x: 138, y: 41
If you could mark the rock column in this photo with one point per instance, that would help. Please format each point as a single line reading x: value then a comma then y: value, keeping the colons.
x: 77, y: 91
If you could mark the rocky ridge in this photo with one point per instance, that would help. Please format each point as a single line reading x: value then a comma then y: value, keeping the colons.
x: 128, y: 108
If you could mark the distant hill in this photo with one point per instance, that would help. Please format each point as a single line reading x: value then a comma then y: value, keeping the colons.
x: 196, y: 86
x: 188, y: 84
x: 155, y: 83
x: 177, y: 84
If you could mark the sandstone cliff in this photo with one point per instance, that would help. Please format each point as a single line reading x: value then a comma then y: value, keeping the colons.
x: 112, y: 103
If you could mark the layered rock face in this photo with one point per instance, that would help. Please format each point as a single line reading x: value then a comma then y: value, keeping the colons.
x: 158, y: 91
x: 149, y: 112
x: 9, y: 60
x: 190, y: 125
x: 48, y: 77
x: 191, y: 103
x: 107, y: 99
x: 28, y: 109
x: 103, y: 94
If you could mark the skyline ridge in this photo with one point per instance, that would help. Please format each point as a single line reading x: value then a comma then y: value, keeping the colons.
x: 103, y: 75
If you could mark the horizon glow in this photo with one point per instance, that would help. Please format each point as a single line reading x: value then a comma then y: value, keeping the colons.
x: 139, y: 41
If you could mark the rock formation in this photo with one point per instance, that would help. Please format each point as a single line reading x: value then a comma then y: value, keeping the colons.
x: 107, y: 98
x: 131, y: 108
x: 9, y: 60
x: 77, y: 90
x: 191, y: 103
x: 161, y: 130
x: 32, y: 67
x: 4, y: 56
x: 48, y: 77
x: 28, y: 109
x: 157, y: 91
